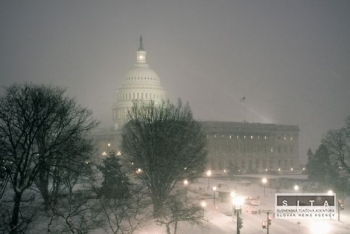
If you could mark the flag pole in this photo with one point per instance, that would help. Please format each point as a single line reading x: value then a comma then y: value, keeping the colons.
x: 243, y: 100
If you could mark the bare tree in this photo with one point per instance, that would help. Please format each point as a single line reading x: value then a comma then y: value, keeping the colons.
x: 76, y: 214
x: 177, y: 211
x: 167, y: 144
x: 125, y: 215
x: 41, y: 131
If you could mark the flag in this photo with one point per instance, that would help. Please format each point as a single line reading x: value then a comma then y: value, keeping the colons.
x: 242, y: 99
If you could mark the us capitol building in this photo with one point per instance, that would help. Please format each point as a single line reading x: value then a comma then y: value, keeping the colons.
x: 250, y: 146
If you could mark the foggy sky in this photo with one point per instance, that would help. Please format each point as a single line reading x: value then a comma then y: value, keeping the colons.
x: 290, y: 59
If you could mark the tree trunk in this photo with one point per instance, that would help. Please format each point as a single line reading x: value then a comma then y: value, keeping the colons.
x: 157, y: 207
x: 15, y: 213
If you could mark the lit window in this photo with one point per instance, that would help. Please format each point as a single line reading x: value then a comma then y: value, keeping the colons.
x: 230, y: 136
x: 265, y: 137
x: 109, y: 144
x: 251, y: 137
x: 104, y: 153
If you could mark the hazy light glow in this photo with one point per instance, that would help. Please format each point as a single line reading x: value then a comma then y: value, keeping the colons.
x: 321, y: 227
x: 238, y: 201
x: 209, y: 173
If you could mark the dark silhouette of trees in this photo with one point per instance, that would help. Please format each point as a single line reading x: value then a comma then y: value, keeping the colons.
x: 168, y: 146
x: 338, y: 145
x: 320, y: 168
x: 115, y: 183
x: 43, y: 139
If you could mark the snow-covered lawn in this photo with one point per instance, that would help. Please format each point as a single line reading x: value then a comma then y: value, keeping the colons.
x: 219, y: 219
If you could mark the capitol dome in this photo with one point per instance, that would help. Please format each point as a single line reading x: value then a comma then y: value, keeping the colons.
x: 140, y: 83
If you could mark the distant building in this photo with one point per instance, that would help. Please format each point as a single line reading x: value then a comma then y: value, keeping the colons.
x: 250, y: 146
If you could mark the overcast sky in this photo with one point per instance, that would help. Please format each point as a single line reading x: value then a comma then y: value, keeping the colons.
x: 289, y: 59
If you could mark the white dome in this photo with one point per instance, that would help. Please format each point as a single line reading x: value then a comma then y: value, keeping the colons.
x: 141, y: 74
x: 140, y: 83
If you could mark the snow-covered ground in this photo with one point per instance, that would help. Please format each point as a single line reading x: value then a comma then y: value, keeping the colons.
x: 220, y: 221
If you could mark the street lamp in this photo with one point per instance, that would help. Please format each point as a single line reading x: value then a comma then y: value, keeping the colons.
x: 214, y: 189
x: 209, y: 174
x: 296, y: 188
x: 186, y: 183
x: 238, y: 203
x: 203, y: 205
x: 264, y: 181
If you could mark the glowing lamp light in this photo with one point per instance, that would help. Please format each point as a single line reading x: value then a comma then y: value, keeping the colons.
x: 238, y: 201
x: 320, y: 227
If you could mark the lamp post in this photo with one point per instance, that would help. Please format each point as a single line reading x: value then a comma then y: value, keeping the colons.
x: 203, y: 205
x: 186, y: 183
x: 209, y: 174
x: 264, y: 181
x: 238, y: 203
x: 214, y: 190
x: 268, y: 220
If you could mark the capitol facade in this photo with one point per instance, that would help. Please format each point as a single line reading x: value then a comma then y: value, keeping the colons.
x: 249, y: 146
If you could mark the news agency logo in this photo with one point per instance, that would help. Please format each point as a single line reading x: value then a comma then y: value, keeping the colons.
x: 305, y: 206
